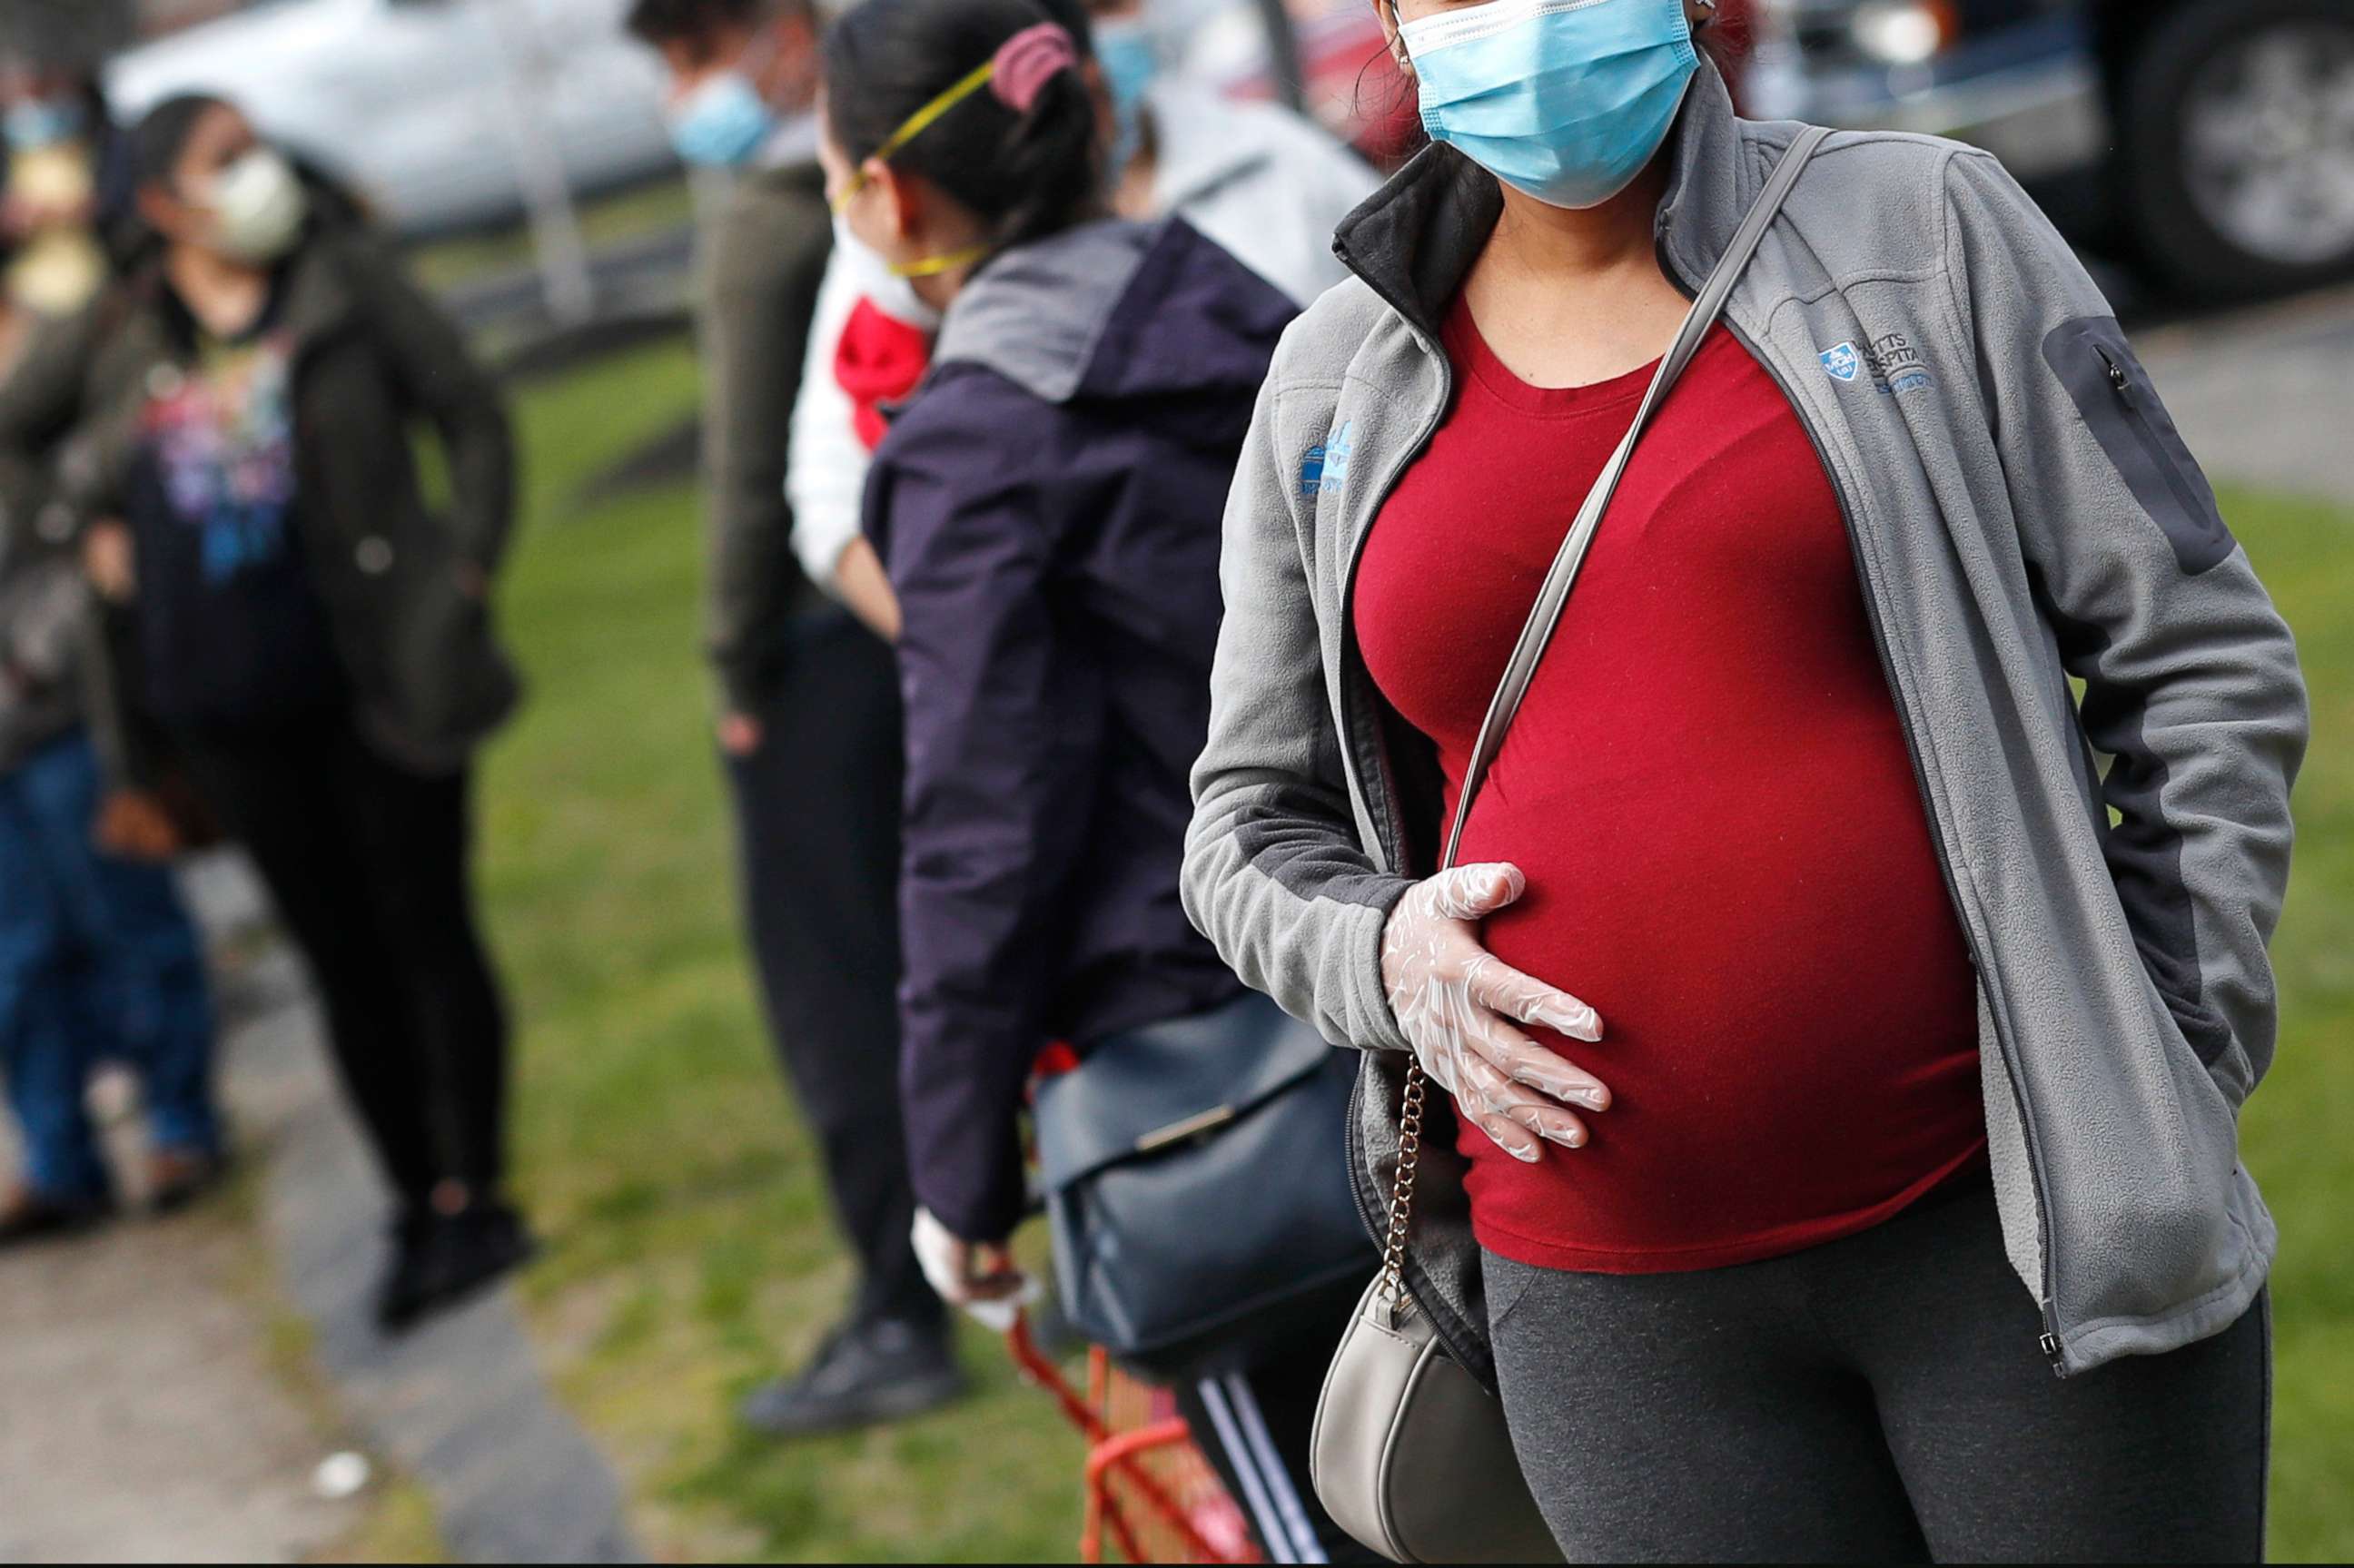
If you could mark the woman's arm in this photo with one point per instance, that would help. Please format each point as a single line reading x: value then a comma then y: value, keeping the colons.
x: 442, y: 379
x: 2190, y: 677
x: 1003, y: 728
x: 1274, y: 873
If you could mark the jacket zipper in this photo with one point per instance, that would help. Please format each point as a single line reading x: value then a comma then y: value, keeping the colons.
x: 2048, y: 1343
x: 1350, y: 676
x: 1353, y: 674
x: 2121, y: 382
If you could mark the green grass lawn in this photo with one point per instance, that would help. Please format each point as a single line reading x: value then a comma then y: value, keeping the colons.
x: 691, y: 1254
x: 691, y: 1251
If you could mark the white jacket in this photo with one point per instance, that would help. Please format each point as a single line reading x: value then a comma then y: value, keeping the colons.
x: 1268, y: 185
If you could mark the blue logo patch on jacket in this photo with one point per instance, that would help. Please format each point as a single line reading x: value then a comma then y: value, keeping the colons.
x: 1894, y: 364
x: 1325, y: 468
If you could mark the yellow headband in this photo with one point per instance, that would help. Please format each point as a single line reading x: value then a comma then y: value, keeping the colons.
x: 921, y: 121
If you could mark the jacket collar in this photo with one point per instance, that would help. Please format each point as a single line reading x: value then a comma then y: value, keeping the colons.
x: 1413, y: 240
x: 1035, y: 314
x: 313, y: 299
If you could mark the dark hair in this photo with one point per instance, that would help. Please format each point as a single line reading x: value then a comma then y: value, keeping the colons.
x: 1023, y: 176
x: 162, y: 135
x: 660, y: 22
x: 1071, y: 16
x: 1725, y: 40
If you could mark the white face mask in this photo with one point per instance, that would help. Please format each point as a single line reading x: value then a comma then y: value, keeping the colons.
x: 258, y: 204
x: 892, y: 294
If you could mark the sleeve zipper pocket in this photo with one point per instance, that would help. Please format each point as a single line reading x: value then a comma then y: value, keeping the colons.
x: 2099, y: 373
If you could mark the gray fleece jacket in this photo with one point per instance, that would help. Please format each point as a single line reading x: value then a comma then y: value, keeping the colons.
x: 2021, y: 510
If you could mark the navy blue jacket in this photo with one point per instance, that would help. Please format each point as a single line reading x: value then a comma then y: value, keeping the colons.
x: 1048, y: 508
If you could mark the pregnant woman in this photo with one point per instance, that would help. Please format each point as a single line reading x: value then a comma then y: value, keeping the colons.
x: 1837, y: 1052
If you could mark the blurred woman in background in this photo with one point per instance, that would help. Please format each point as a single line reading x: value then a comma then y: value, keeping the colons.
x: 1047, y: 511
x: 314, y: 637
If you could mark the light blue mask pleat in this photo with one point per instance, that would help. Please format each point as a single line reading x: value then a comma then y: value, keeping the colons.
x: 1565, y: 100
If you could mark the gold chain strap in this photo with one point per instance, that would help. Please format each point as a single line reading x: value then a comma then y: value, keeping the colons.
x: 1402, y: 1191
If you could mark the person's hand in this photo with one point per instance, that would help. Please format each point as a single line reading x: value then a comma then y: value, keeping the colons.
x: 132, y: 824
x: 472, y: 581
x: 739, y: 734
x: 109, y: 561
x: 1460, y: 1006
x: 980, y: 1276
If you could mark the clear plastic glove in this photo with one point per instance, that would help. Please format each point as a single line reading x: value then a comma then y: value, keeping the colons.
x: 980, y: 1276
x: 1460, y: 1006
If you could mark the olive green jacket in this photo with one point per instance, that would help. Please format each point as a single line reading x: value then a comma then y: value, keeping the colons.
x: 401, y: 580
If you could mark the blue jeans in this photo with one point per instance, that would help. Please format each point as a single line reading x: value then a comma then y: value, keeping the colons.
x: 97, y: 959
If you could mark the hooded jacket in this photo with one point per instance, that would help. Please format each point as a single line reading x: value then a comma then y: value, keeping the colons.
x: 1047, y: 509
x: 2021, y: 510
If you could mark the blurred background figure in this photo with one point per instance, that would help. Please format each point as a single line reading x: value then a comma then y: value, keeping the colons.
x: 65, y: 176
x: 97, y: 959
x: 809, y: 726
x: 1267, y: 183
x: 1046, y: 507
x: 311, y: 637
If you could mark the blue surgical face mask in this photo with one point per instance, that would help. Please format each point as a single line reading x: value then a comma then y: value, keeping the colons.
x: 45, y: 122
x: 723, y: 121
x: 1565, y: 100
x: 1131, y: 58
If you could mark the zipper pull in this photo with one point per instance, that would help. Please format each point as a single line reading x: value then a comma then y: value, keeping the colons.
x: 2117, y: 377
x: 2049, y: 1343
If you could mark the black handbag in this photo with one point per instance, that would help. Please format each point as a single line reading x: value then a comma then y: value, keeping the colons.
x: 1197, y: 1187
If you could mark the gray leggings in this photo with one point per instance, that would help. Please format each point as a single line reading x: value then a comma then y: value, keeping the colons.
x: 1879, y: 1398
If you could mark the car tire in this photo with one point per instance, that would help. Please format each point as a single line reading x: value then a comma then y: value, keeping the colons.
x: 2176, y: 102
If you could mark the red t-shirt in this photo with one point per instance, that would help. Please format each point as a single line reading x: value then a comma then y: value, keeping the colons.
x: 1708, y: 788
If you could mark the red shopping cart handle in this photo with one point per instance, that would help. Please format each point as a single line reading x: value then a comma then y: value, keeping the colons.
x: 1039, y: 1368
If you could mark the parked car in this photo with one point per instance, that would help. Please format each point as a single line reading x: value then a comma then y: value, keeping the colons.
x: 425, y: 106
x: 2218, y: 135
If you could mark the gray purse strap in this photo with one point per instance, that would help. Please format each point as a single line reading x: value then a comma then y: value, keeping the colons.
x: 1522, y: 668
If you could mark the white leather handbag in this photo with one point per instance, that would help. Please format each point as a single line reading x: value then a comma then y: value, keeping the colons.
x: 1410, y: 1454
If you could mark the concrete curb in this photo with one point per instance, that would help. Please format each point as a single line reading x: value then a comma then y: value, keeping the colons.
x: 458, y: 1403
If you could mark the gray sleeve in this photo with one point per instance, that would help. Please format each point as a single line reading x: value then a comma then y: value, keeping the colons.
x: 766, y: 261
x: 1274, y: 873
x: 2191, y: 683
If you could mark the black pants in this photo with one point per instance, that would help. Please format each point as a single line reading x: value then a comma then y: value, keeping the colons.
x: 817, y: 821
x: 366, y: 863
x: 1877, y: 1399
x: 1253, y: 1428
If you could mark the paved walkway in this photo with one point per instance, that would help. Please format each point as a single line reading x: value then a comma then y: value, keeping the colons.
x: 459, y: 1404
x: 140, y: 1419
x: 2265, y: 397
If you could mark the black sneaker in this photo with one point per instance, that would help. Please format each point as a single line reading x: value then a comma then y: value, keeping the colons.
x: 444, y: 1259
x: 864, y: 1374
x: 400, y: 1290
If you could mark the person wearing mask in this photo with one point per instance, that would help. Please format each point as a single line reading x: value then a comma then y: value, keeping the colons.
x: 97, y: 954
x: 808, y: 731
x: 1266, y: 183
x: 316, y: 639
x: 1044, y: 507
x: 1834, y: 1052
x: 64, y: 181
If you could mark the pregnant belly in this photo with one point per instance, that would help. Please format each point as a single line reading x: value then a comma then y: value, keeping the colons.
x: 1789, y: 1017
